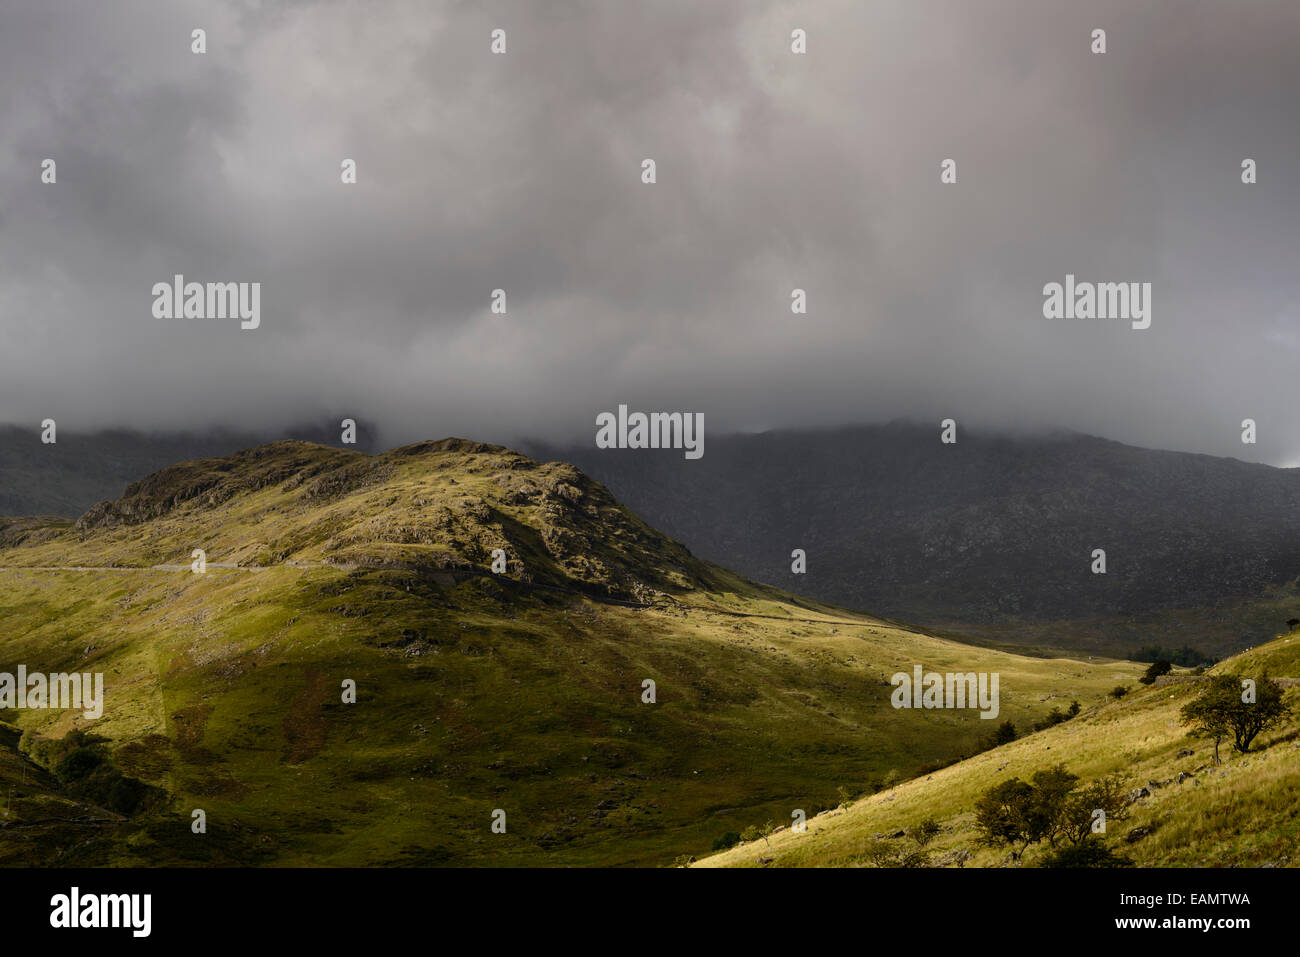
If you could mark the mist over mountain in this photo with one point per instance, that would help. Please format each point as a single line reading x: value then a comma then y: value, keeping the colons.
x: 993, y: 531
x: 776, y: 172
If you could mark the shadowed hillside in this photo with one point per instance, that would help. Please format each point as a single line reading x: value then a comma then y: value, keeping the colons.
x: 992, y: 535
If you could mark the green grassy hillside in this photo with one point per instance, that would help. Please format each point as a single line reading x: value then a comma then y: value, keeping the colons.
x: 1244, y: 812
x: 475, y: 692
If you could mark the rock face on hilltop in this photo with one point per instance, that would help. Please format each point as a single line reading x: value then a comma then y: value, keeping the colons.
x: 209, y: 483
x: 19, y: 531
x: 439, y: 507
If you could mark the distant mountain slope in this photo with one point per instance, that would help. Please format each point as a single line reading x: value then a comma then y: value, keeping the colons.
x: 522, y: 691
x: 1188, y: 813
x: 67, y: 477
x: 992, y: 534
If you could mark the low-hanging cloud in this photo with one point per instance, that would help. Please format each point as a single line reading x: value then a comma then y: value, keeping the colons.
x: 775, y: 171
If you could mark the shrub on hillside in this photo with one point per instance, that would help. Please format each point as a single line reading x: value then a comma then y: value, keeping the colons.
x: 886, y: 854
x: 82, y: 764
x: 727, y: 841
x: 1004, y: 734
x: 1221, y: 710
x: 1047, y: 807
x: 77, y: 765
x: 1079, y: 811
x: 925, y: 832
x: 1157, y: 669
x: 1056, y: 716
x: 125, y: 795
x: 1017, y: 813
x: 1086, y: 854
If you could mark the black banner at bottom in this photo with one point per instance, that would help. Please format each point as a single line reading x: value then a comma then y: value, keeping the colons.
x: 332, y: 907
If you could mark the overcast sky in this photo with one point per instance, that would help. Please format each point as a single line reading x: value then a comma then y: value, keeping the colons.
x: 522, y: 171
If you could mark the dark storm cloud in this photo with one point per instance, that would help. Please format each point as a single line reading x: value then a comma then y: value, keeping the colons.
x: 775, y: 171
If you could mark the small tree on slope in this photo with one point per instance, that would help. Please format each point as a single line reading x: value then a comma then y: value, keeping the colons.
x: 1225, y: 707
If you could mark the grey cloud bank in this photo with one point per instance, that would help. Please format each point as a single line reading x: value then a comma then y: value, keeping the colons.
x: 775, y: 171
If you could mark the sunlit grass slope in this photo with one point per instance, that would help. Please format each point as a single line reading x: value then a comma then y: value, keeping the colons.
x: 1245, y: 812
